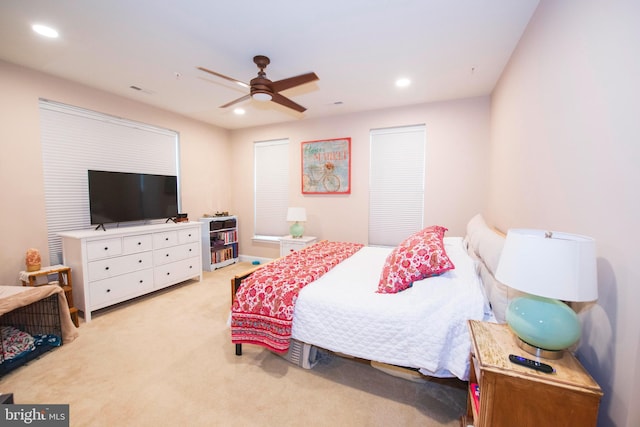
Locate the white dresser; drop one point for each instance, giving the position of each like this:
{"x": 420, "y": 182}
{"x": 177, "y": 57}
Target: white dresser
{"x": 118, "y": 264}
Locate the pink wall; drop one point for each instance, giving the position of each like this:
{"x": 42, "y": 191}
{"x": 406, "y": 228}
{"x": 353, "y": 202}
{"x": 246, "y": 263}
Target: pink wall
{"x": 205, "y": 184}
{"x": 457, "y": 134}
{"x": 565, "y": 155}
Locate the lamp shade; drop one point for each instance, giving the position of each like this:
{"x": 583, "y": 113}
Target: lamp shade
{"x": 549, "y": 264}
{"x": 296, "y": 214}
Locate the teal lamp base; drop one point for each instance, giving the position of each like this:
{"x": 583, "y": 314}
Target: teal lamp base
{"x": 296, "y": 230}
{"x": 545, "y": 327}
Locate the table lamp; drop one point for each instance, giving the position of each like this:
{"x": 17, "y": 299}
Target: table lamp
{"x": 549, "y": 267}
{"x": 296, "y": 215}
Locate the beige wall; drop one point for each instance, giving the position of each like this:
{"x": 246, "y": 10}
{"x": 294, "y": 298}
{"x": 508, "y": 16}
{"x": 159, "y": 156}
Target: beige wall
{"x": 565, "y": 155}
{"x": 205, "y": 182}
{"x": 456, "y": 169}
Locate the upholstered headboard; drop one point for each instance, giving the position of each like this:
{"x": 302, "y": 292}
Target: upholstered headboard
{"x": 484, "y": 244}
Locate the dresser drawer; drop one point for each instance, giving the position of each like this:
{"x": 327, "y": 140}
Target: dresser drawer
{"x": 175, "y": 253}
{"x": 166, "y": 239}
{"x": 177, "y": 271}
{"x": 188, "y": 236}
{"x": 135, "y": 244}
{"x": 115, "y": 289}
{"x": 99, "y": 249}
{"x": 111, "y": 267}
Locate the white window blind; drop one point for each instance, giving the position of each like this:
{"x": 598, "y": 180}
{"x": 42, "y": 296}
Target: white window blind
{"x": 75, "y": 140}
{"x": 271, "y": 188}
{"x": 396, "y": 184}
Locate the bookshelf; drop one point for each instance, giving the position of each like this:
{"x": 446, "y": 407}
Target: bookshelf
{"x": 219, "y": 241}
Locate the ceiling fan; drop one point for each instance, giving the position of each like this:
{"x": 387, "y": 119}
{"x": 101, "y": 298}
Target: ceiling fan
{"x": 263, "y": 89}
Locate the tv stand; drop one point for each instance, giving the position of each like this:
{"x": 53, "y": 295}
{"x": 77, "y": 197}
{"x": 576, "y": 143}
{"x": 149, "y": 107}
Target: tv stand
{"x": 119, "y": 264}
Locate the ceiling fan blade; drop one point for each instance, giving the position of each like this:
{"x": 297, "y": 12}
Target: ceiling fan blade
{"x": 228, "y": 104}
{"x": 279, "y": 99}
{"x": 293, "y": 81}
{"x": 231, "y": 79}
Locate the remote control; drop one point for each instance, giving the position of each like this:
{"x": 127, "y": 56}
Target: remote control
{"x": 538, "y": 366}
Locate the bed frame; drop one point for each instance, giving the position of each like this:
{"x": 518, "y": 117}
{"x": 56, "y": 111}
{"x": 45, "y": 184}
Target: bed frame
{"x": 236, "y": 281}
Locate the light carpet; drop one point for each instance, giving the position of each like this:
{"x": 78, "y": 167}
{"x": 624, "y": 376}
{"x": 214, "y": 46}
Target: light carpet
{"x": 166, "y": 359}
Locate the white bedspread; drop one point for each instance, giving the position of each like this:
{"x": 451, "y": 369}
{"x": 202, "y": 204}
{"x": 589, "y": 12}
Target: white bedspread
{"x": 422, "y": 327}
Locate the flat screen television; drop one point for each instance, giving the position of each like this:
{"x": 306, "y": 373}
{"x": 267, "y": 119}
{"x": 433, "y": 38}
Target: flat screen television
{"x": 125, "y": 197}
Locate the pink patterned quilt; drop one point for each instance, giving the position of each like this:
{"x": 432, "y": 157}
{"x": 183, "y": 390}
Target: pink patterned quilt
{"x": 262, "y": 311}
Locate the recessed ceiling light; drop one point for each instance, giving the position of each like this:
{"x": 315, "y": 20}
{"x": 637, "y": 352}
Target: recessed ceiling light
{"x": 403, "y": 82}
{"x": 239, "y": 111}
{"x": 43, "y": 30}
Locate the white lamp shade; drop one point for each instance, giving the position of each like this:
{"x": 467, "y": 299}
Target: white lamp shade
{"x": 549, "y": 264}
{"x": 296, "y": 214}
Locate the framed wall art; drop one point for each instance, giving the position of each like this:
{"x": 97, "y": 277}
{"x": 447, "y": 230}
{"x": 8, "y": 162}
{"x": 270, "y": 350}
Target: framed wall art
{"x": 326, "y": 166}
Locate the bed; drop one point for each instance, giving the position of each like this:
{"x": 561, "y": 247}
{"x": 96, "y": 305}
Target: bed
{"x": 348, "y": 311}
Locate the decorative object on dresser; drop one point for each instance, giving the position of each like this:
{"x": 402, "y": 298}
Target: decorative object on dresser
{"x": 290, "y": 244}
{"x": 219, "y": 241}
{"x": 33, "y": 260}
{"x": 296, "y": 215}
{"x": 119, "y": 264}
{"x": 62, "y": 273}
{"x": 504, "y": 394}
{"x": 548, "y": 267}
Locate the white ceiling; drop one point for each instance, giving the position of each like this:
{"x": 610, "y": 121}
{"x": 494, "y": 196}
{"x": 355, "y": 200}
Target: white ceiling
{"x": 450, "y": 49}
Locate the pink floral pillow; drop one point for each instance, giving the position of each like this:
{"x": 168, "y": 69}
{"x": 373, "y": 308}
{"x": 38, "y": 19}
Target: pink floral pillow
{"x": 419, "y": 256}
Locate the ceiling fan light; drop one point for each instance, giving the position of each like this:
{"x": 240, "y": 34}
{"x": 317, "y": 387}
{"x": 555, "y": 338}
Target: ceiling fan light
{"x": 261, "y": 96}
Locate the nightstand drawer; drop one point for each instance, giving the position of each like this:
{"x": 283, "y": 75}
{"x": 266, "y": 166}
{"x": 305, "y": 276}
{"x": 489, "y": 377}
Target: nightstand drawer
{"x": 290, "y": 244}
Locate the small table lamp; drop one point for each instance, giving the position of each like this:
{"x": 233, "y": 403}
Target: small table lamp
{"x": 548, "y": 267}
{"x": 296, "y": 215}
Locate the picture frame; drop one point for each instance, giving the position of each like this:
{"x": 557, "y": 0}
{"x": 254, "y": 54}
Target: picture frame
{"x": 326, "y": 166}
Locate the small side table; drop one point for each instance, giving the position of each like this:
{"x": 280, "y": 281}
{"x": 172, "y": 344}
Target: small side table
{"x": 30, "y": 278}
{"x": 290, "y": 244}
{"x": 511, "y": 395}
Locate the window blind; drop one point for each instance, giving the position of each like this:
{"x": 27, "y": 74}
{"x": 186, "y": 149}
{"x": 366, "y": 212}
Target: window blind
{"x": 396, "y": 184}
{"x": 271, "y": 188}
{"x": 75, "y": 140}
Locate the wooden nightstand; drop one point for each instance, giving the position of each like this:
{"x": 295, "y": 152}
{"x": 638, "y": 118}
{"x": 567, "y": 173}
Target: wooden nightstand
{"x": 512, "y": 395}
{"x": 290, "y": 244}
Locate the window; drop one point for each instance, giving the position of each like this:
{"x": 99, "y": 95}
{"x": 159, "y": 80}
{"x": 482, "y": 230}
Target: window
{"x": 396, "y": 184}
{"x": 75, "y": 140}
{"x": 271, "y": 188}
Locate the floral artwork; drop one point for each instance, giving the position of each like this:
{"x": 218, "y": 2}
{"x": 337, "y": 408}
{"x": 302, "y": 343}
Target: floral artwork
{"x": 326, "y": 166}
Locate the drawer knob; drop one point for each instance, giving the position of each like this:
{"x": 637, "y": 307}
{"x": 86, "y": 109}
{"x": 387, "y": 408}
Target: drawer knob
{"x": 166, "y": 238}
{"x": 167, "y": 255}
{"x": 168, "y": 273}
{"x": 108, "y": 290}
{"x": 141, "y": 281}
{"x": 106, "y": 248}
{"x": 140, "y": 261}
{"x": 106, "y": 268}
{"x": 139, "y": 243}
